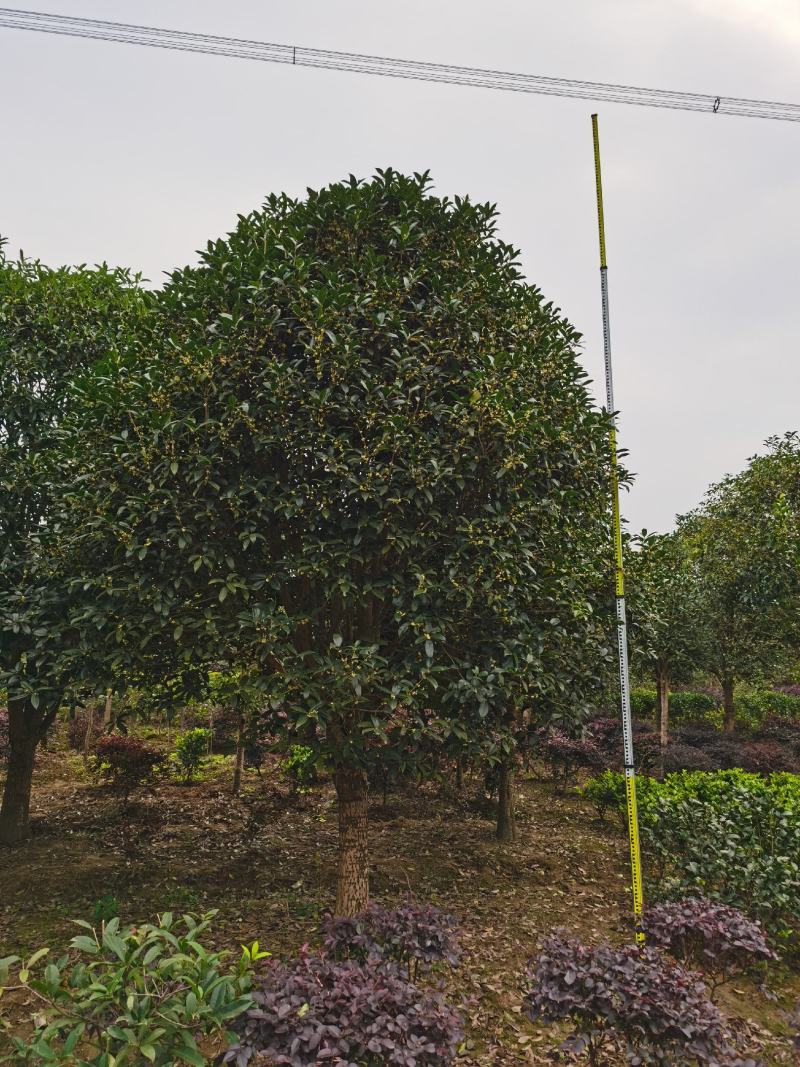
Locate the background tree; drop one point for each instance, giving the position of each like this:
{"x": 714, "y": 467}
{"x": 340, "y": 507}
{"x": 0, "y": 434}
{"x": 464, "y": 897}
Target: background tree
{"x": 667, "y": 622}
{"x": 745, "y": 542}
{"x": 54, "y": 325}
{"x": 352, "y": 426}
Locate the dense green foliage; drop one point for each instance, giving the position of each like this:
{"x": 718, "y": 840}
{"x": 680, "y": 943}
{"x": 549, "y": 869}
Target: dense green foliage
{"x": 54, "y": 326}
{"x": 354, "y": 452}
{"x": 745, "y": 545}
{"x": 191, "y": 749}
{"x": 731, "y": 836}
{"x": 132, "y": 995}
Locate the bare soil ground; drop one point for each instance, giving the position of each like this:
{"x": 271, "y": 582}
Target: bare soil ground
{"x": 266, "y": 860}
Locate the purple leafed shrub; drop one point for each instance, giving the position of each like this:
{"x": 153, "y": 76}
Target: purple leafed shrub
{"x": 715, "y": 938}
{"x": 125, "y": 762}
{"x": 765, "y": 757}
{"x": 412, "y": 936}
{"x": 680, "y": 757}
{"x": 564, "y": 755}
{"x": 633, "y": 1002}
{"x": 346, "y": 1014}
{"x": 79, "y": 724}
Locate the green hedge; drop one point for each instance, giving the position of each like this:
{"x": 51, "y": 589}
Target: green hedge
{"x": 732, "y": 836}
{"x": 751, "y": 708}
{"x": 683, "y": 706}
{"x": 754, "y": 707}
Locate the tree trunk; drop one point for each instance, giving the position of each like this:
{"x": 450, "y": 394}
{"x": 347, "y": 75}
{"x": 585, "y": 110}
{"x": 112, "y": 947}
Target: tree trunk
{"x": 460, "y": 775}
{"x": 88, "y": 737}
{"x": 107, "y": 709}
{"x": 506, "y": 803}
{"x": 24, "y": 733}
{"x": 352, "y": 889}
{"x": 238, "y": 761}
{"x": 662, "y": 715}
{"x": 729, "y": 723}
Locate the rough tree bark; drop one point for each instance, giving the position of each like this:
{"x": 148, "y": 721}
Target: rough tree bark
{"x": 238, "y": 763}
{"x": 26, "y": 726}
{"x": 729, "y": 722}
{"x": 352, "y": 889}
{"x": 663, "y": 705}
{"x": 506, "y": 803}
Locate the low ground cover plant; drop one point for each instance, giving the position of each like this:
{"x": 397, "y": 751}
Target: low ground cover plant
{"x": 714, "y": 938}
{"x": 125, "y": 762}
{"x": 130, "y": 995}
{"x": 321, "y": 1010}
{"x": 414, "y": 937}
{"x": 631, "y": 1002}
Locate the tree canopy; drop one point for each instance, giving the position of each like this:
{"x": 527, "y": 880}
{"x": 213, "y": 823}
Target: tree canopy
{"x": 353, "y": 449}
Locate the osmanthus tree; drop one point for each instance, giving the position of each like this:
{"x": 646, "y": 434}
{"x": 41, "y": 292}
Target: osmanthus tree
{"x": 54, "y": 325}
{"x": 745, "y": 542}
{"x": 353, "y": 433}
{"x": 667, "y": 622}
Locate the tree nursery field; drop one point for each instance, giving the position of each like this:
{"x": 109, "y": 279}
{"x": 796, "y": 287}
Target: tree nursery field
{"x": 310, "y": 731}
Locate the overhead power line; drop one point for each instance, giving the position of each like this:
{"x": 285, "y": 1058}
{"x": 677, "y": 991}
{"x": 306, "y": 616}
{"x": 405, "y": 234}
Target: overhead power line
{"x": 296, "y": 55}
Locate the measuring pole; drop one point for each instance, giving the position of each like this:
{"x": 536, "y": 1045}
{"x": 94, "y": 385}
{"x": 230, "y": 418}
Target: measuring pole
{"x": 619, "y": 574}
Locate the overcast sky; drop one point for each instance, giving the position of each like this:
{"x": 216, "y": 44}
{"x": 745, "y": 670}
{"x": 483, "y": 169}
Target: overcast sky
{"x": 138, "y": 156}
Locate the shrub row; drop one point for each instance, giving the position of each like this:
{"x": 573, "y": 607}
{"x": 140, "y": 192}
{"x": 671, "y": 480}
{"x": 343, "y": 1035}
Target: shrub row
{"x": 148, "y": 994}
{"x": 751, "y": 708}
{"x": 731, "y": 836}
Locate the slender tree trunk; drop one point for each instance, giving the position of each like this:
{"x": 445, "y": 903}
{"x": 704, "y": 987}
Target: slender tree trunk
{"x": 459, "y": 775}
{"x": 107, "y": 709}
{"x": 506, "y": 803}
{"x": 238, "y": 762}
{"x": 88, "y": 737}
{"x": 662, "y": 716}
{"x": 24, "y": 733}
{"x": 352, "y": 890}
{"x": 729, "y": 722}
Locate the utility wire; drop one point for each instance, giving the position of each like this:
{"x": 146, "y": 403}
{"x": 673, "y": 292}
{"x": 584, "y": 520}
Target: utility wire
{"x": 177, "y": 40}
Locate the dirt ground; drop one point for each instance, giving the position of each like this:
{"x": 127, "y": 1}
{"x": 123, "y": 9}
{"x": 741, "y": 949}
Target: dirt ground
{"x": 266, "y": 860}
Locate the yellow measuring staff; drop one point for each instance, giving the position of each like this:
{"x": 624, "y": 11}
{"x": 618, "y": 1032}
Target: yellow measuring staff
{"x": 619, "y": 573}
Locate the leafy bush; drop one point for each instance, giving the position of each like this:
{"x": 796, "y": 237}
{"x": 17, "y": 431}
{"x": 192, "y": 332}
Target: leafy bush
{"x": 607, "y": 793}
{"x": 299, "y": 766}
{"x": 134, "y": 995}
{"x": 190, "y": 752}
{"x": 79, "y": 724}
{"x": 731, "y": 836}
{"x": 681, "y": 757}
{"x": 643, "y": 703}
{"x": 631, "y": 1001}
{"x": 125, "y": 762}
{"x": 686, "y": 706}
{"x": 708, "y": 936}
{"x": 564, "y": 755}
{"x": 768, "y": 756}
{"x": 412, "y": 936}
{"x": 107, "y": 907}
{"x": 320, "y": 1010}
{"x": 754, "y": 708}
{"x": 606, "y": 735}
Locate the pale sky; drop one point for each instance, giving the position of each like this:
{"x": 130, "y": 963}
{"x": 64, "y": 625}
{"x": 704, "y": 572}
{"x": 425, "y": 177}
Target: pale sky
{"x": 139, "y": 156}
